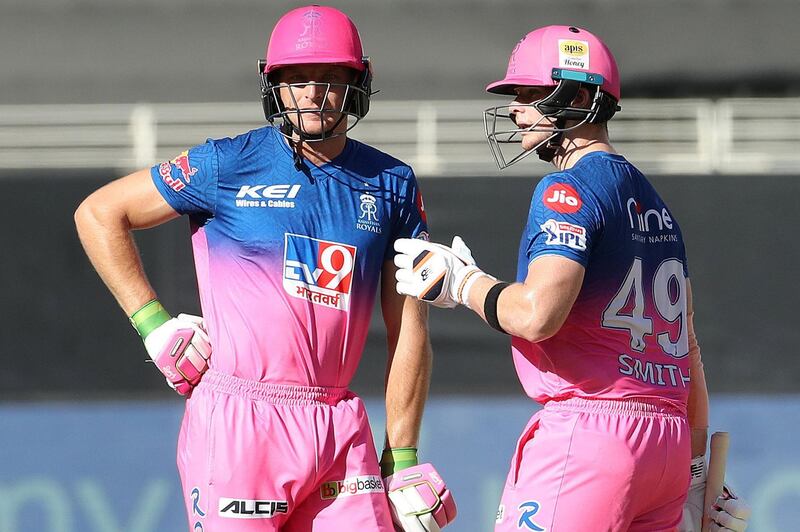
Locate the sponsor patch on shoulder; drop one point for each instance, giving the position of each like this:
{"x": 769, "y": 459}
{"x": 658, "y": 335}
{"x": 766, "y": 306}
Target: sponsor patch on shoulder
{"x": 563, "y": 198}
{"x": 564, "y": 234}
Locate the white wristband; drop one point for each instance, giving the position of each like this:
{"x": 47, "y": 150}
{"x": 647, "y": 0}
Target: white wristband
{"x": 466, "y": 283}
{"x": 698, "y": 470}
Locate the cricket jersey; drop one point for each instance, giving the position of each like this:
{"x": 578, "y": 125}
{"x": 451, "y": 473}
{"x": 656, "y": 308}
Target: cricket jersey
{"x": 626, "y": 335}
{"x": 288, "y": 260}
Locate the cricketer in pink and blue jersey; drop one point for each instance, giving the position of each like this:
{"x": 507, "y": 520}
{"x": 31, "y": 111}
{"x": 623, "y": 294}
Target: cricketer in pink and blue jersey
{"x": 626, "y": 335}
{"x": 288, "y": 261}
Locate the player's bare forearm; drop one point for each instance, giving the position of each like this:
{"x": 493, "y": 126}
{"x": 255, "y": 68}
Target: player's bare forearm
{"x": 697, "y": 404}
{"x": 409, "y": 363}
{"x": 104, "y": 221}
{"x": 536, "y": 309}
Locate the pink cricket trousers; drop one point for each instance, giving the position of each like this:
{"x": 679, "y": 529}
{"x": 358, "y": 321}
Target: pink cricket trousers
{"x": 258, "y": 456}
{"x": 598, "y": 465}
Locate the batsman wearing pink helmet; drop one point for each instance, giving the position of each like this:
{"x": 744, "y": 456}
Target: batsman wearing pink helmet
{"x": 600, "y": 314}
{"x": 292, "y": 227}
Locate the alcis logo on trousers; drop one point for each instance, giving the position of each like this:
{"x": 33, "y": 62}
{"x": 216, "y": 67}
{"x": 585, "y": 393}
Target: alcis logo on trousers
{"x": 251, "y": 509}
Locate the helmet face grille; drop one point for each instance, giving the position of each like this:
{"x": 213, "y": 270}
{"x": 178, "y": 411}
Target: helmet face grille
{"x": 555, "y": 109}
{"x": 355, "y": 104}
{"x": 315, "y": 35}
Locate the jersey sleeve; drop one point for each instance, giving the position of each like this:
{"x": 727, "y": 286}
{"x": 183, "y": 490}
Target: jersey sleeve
{"x": 189, "y": 181}
{"x": 564, "y": 219}
{"x": 411, "y": 222}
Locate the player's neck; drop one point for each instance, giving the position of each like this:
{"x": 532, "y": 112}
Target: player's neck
{"x": 323, "y": 151}
{"x": 573, "y": 147}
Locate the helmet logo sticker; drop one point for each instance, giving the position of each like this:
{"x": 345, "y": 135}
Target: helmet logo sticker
{"x": 512, "y": 63}
{"x": 310, "y": 30}
{"x": 573, "y": 54}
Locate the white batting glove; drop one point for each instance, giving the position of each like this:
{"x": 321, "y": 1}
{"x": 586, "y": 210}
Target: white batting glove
{"x": 419, "y": 499}
{"x": 692, "y": 519}
{"x": 180, "y": 348}
{"x": 730, "y": 514}
{"x": 435, "y": 273}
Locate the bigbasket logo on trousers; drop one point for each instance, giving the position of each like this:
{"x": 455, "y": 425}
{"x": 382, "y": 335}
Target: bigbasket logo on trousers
{"x": 251, "y": 509}
{"x": 351, "y": 486}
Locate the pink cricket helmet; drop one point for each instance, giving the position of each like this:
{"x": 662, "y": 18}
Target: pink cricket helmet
{"x": 315, "y": 34}
{"x": 566, "y": 48}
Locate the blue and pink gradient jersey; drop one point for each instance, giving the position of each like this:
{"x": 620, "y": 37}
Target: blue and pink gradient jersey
{"x": 626, "y": 336}
{"x": 288, "y": 261}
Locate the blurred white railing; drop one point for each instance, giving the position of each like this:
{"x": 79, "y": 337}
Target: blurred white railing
{"x": 439, "y": 138}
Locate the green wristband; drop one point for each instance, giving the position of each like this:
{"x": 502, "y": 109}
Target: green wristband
{"x": 393, "y": 460}
{"x": 151, "y": 316}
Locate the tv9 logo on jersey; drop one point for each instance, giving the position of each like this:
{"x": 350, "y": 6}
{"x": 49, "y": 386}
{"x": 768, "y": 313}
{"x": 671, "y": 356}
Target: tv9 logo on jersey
{"x": 319, "y": 271}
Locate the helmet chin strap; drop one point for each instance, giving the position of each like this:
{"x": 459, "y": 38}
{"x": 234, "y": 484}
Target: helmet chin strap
{"x": 289, "y": 129}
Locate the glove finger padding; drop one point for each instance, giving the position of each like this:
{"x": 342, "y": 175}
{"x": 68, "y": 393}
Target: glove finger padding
{"x": 730, "y": 514}
{"x": 735, "y": 507}
{"x": 460, "y": 248}
{"x": 420, "y": 500}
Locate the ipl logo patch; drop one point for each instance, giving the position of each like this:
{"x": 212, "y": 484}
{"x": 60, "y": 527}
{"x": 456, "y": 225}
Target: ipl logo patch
{"x": 564, "y": 234}
{"x": 318, "y": 271}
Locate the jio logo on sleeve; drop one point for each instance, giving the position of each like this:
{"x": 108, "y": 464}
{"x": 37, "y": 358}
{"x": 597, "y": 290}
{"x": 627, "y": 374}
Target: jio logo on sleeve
{"x": 562, "y": 198}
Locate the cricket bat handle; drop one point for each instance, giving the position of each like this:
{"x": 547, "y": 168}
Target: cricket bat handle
{"x": 716, "y": 472}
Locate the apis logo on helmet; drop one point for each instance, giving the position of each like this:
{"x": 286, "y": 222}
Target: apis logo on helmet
{"x": 275, "y": 196}
{"x": 574, "y": 47}
{"x": 573, "y": 54}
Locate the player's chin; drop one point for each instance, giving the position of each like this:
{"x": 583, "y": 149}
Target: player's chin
{"x": 532, "y": 140}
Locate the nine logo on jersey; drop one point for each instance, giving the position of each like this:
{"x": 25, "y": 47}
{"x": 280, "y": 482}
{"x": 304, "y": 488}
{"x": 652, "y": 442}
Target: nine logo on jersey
{"x": 649, "y": 220}
{"x": 564, "y": 234}
{"x": 318, "y": 271}
{"x": 562, "y": 198}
